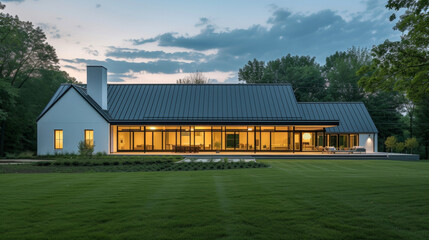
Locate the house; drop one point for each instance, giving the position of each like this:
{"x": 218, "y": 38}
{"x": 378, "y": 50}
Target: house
{"x": 147, "y": 118}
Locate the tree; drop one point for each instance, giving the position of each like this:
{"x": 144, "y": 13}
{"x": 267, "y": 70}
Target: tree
{"x": 194, "y": 78}
{"x": 390, "y": 143}
{"x": 340, "y": 71}
{"x": 422, "y": 123}
{"x": 24, "y": 53}
{"x": 411, "y": 143}
{"x": 400, "y": 146}
{"x": 302, "y": 72}
{"x": 402, "y": 65}
{"x": 21, "y": 133}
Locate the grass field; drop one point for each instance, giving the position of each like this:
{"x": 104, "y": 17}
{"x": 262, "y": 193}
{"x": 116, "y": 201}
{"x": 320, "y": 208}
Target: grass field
{"x": 294, "y": 199}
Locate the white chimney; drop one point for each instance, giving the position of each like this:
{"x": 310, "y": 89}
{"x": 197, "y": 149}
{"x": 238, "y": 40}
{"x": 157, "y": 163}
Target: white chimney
{"x": 96, "y": 84}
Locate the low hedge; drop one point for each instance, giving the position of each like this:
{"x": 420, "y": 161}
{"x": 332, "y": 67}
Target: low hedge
{"x": 129, "y": 166}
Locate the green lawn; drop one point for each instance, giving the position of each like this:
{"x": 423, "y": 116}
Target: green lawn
{"x": 294, "y": 199}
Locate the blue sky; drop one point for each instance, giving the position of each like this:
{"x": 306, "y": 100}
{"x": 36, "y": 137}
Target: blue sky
{"x": 161, "y": 41}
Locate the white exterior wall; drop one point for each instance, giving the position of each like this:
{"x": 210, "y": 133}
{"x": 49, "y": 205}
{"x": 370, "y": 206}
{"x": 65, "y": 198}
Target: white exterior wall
{"x": 73, "y": 114}
{"x": 369, "y": 141}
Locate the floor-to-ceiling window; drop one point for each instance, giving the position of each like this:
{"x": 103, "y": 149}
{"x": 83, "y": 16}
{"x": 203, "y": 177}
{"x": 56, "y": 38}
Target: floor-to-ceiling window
{"x": 228, "y": 138}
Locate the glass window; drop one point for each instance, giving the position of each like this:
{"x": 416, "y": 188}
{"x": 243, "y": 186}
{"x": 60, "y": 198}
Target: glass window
{"x": 169, "y": 140}
{"x": 58, "y": 139}
{"x": 308, "y": 141}
{"x": 185, "y": 138}
{"x": 241, "y": 139}
{"x": 89, "y": 137}
{"x": 297, "y": 142}
{"x": 265, "y": 141}
{"x": 217, "y": 140}
{"x": 124, "y": 141}
{"x": 354, "y": 140}
{"x": 149, "y": 142}
{"x": 157, "y": 140}
{"x": 251, "y": 141}
{"x": 208, "y": 140}
{"x": 279, "y": 141}
{"x": 343, "y": 141}
{"x": 258, "y": 138}
{"x": 199, "y": 140}
{"x": 320, "y": 139}
{"x": 332, "y": 140}
{"x": 128, "y": 128}
{"x": 138, "y": 141}
{"x": 231, "y": 142}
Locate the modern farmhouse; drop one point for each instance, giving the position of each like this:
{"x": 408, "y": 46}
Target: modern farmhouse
{"x": 150, "y": 118}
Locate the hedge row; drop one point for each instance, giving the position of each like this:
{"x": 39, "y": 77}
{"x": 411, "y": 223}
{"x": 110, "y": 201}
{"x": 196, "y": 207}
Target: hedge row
{"x": 128, "y": 166}
{"x": 103, "y": 162}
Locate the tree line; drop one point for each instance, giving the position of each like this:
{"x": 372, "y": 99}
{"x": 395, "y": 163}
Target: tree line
{"x": 392, "y": 79}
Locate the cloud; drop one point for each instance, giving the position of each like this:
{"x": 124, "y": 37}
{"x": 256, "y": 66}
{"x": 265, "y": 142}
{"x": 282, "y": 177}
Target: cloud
{"x": 130, "y": 53}
{"x": 98, "y": 5}
{"x": 319, "y": 34}
{"x": 90, "y": 50}
{"x": 51, "y": 30}
{"x": 203, "y": 21}
{"x": 74, "y": 68}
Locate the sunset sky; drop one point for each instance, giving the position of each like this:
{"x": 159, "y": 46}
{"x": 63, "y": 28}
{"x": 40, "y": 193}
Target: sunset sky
{"x": 161, "y": 41}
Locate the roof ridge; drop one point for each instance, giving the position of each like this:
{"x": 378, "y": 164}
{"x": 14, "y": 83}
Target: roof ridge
{"x": 327, "y": 102}
{"x": 208, "y": 84}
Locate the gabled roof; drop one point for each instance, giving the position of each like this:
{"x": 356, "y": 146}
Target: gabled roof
{"x": 204, "y": 102}
{"x": 63, "y": 89}
{"x": 353, "y": 116}
{"x": 221, "y": 103}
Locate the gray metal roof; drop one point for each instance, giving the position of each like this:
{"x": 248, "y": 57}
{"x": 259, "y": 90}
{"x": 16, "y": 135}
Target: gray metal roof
{"x": 221, "y": 103}
{"x": 353, "y": 116}
{"x": 204, "y": 102}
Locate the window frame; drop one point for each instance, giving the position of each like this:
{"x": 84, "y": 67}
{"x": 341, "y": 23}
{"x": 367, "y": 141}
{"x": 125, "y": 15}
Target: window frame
{"x": 84, "y": 136}
{"x": 55, "y": 138}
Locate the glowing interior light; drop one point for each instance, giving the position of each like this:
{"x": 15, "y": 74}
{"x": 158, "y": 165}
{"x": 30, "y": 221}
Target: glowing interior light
{"x": 152, "y": 128}
{"x": 306, "y": 136}
{"x": 249, "y": 129}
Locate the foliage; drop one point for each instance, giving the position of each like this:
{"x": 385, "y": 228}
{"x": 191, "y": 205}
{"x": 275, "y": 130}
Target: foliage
{"x": 402, "y": 65}
{"x": 194, "y": 78}
{"x": 21, "y": 131}
{"x": 125, "y": 166}
{"x": 422, "y": 123}
{"x": 400, "y": 146}
{"x": 390, "y": 143}
{"x": 340, "y": 71}
{"x": 85, "y": 149}
{"x": 302, "y": 72}
{"x": 411, "y": 144}
{"x": 29, "y": 75}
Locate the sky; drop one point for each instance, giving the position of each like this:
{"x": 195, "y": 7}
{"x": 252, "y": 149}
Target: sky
{"x": 161, "y": 41}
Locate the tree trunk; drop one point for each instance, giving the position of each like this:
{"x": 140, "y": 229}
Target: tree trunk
{"x": 2, "y": 130}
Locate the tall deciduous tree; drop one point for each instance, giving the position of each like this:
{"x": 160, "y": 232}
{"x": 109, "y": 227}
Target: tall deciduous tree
{"x": 340, "y": 72}
{"x": 24, "y": 53}
{"x": 403, "y": 65}
{"x": 302, "y": 72}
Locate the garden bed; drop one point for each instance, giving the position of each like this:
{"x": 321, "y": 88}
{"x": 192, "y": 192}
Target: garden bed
{"x": 124, "y": 165}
